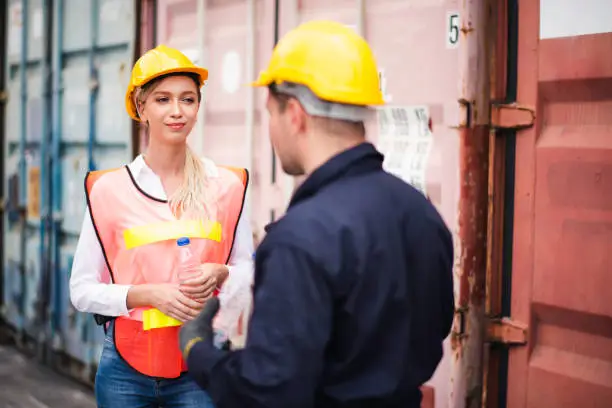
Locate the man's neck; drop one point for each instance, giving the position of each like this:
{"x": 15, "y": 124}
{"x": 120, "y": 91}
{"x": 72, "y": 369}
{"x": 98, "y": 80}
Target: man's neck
{"x": 323, "y": 149}
{"x": 166, "y": 160}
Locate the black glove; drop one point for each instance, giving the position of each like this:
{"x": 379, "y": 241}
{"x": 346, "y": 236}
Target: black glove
{"x": 199, "y": 329}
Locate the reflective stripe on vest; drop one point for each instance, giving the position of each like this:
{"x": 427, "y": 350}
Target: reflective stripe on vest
{"x": 137, "y": 234}
{"x": 151, "y": 233}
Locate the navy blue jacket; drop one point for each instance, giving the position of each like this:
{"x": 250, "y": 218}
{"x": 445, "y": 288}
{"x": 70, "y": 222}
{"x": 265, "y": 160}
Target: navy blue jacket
{"x": 353, "y": 296}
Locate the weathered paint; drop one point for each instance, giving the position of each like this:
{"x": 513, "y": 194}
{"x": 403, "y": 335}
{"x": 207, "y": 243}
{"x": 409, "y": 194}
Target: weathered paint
{"x": 561, "y": 259}
{"x": 472, "y": 205}
{"x": 68, "y": 64}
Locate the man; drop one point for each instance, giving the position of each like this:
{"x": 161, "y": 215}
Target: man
{"x": 353, "y": 291}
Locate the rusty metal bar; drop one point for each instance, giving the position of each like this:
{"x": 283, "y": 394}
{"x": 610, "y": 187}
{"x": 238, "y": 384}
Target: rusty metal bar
{"x": 468, "y": 332}
{"x": 511, "y": 116}
{"x": 506, "y": 331}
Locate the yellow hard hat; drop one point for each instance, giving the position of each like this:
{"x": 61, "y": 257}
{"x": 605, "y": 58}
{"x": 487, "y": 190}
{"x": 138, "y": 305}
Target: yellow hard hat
{"x": 329, "y": 58}
{"x": 159, "y": 61}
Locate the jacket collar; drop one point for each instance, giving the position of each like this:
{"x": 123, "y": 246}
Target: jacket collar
{"x": 363, "y": 158}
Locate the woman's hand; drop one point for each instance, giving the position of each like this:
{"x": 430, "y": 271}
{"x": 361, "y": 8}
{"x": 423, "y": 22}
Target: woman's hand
{"x": 202, "y": 287}
{"x": 171, "y": 301}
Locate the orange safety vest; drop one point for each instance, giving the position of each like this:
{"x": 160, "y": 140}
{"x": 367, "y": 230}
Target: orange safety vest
{"x": 138, "y": 236}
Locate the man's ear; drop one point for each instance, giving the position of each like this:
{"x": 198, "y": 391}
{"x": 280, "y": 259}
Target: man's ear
{"x": 297, "y": 114}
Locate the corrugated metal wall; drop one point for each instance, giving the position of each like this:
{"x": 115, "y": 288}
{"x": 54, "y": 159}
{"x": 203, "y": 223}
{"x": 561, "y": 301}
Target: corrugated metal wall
{"x": 64, "y": 116}
{"x": 27, "y": 125}
{"x": 559, "y": 268}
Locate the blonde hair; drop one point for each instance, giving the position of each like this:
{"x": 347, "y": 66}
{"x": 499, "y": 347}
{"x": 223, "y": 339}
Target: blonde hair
{"x": 193, "y": 198}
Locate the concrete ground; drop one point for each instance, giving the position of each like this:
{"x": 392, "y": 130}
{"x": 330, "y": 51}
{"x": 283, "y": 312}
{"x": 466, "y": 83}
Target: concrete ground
{"x": 26, "y": 384}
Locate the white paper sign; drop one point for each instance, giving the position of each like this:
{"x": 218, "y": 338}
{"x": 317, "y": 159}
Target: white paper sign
{"x": 404, "y": 138}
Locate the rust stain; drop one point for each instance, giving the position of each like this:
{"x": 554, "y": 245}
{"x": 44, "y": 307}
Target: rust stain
{"x": 455, "y": 342}
{"x": 470, "y": 269}
{"x": 466, "y": 30}
{"x": 458, "y": 320}
{"x": 473, "y": 212}
{"x": 429, "y": 397}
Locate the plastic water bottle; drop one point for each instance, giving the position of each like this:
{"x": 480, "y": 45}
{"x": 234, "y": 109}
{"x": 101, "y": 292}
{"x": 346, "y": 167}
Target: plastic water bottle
{"x": 188, "y": 266}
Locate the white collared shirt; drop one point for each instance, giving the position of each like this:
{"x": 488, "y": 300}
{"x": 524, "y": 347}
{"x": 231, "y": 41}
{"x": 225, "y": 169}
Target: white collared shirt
{"x": 91, "y": 290}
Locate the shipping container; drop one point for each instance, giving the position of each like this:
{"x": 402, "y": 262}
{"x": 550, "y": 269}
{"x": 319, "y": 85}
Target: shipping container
{"x": 498, "y": 110}
{"x": 234, "y": 40}
{"x": 68, "y": 65}
{"x": 453, "y": 67}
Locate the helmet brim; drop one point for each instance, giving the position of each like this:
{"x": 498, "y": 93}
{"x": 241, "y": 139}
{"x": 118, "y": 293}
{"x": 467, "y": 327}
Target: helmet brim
{"x": 202, "y": 74}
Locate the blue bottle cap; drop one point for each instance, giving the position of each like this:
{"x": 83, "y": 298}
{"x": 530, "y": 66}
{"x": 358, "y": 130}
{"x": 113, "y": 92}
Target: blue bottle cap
{"x": 183, "y": 241}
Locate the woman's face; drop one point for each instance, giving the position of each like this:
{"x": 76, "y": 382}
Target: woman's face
{"x": 171, "y": 109}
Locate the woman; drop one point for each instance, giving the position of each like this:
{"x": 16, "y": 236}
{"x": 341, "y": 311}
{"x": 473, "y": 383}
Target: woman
{"x": 126, "y": 265}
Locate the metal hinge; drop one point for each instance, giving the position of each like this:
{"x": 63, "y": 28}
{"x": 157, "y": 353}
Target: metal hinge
{"x": 466, "y": 111}
{"x": 506, "y": 331}
{"x": 4, "y": 96}
{"x": 511, "y": 116}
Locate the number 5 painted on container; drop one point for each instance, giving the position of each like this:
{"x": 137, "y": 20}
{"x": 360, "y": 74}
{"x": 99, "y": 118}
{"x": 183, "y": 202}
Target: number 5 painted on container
{"x": 452, "y": 30}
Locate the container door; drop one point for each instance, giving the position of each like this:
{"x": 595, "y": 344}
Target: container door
{"x": 562, "y": 260}
{"x": 26, "y": 130}
{"x": 67, "y": 68}
{"x": 92, "y": 60}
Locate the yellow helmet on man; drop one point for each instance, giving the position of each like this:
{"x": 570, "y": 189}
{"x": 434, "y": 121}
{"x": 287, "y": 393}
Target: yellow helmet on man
{"x": 161, "y": 60}
{"x": 330, "y": 59}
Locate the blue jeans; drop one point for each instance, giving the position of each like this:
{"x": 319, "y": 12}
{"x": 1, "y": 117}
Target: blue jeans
{"x": 120, "y": 386}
